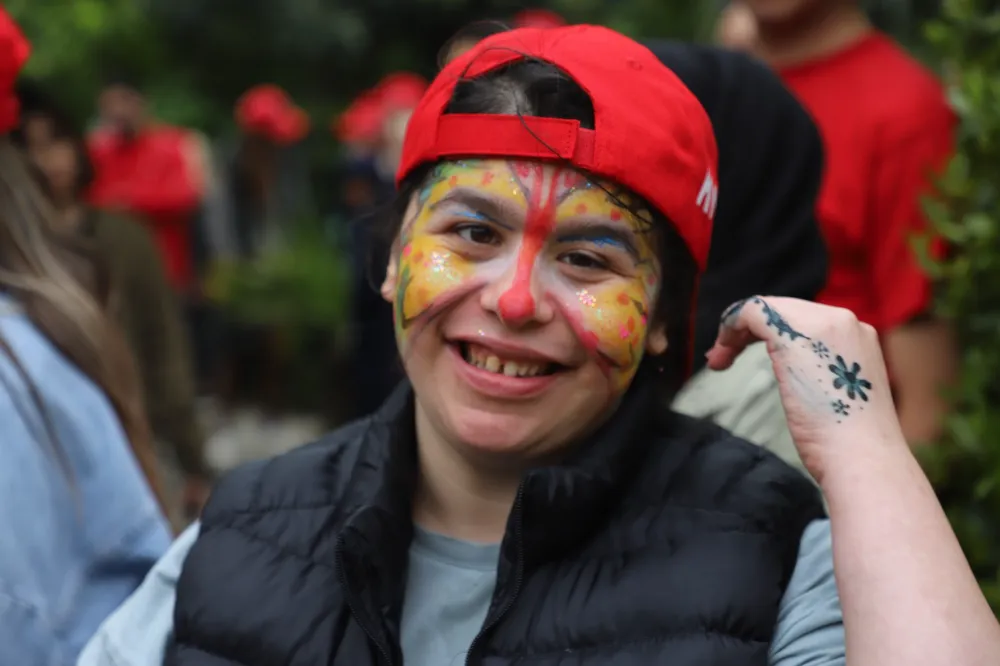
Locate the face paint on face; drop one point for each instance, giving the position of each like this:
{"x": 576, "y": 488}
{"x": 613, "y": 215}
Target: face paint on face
{"x": 544, "y": 232}
{"x": 432, "y": 271}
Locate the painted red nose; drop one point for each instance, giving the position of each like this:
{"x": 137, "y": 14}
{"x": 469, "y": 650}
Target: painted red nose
{"x": 516, "y": 306}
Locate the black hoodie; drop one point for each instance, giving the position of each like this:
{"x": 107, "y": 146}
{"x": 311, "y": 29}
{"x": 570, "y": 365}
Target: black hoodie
{"x": 766, "y": 238}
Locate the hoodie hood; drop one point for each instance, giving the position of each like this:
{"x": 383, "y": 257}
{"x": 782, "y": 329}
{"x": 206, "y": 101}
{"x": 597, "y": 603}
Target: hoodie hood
{"x": 766, "y": 238}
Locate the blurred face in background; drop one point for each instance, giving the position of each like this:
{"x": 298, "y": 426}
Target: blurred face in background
{"x": 458, "y": 48}
{"x": 122, "y": 108}
{"x": 784, "y": 12}
{"x": 56, "y": 157}
{"x": 393, "y": 134}
{"x": 737, "y": 28}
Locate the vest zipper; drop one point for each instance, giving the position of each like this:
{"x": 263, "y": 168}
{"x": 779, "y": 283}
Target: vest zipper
{"x": 383, "y": 650}
{"x": 518, "y": 580}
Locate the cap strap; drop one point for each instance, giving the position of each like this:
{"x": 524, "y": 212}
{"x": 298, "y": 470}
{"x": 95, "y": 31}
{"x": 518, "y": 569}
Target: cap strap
{"x": 486, "y": 135}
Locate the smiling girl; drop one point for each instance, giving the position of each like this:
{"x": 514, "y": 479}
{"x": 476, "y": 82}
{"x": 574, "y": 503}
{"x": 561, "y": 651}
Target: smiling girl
{"x": 523, "y": 498}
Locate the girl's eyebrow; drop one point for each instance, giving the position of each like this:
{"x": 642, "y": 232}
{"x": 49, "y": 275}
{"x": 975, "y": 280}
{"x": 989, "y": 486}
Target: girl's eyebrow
{"x": 489, "y": 207}
{"x": 599, "y": 232}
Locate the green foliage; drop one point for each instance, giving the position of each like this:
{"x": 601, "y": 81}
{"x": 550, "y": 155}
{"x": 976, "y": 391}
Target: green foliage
{"x": 305, "y": 285}
{"x": 965, "y": 467}
{"x": 74, "y": 43}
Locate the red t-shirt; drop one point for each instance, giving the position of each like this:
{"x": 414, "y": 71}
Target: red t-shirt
{"x": 150, "y": 177}
{"x": 887, "y": 131}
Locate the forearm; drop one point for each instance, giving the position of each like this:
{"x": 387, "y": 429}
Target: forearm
{"x": 923, "y": 357}
{"x": 908, "y": 594}
{"x": 922, "y": 417}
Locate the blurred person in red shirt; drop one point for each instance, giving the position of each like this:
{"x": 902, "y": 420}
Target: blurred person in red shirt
{"x": 887, "y": 130}
{"x": 265, "y": 176}
{"x": 150, "y": 170}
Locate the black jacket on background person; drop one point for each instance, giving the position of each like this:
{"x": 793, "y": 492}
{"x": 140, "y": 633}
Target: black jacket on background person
{"x": 766, "y": 238}
{"x": 683, "y": 536}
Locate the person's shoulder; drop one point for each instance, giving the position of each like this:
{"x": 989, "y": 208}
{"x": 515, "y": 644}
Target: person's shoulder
{"x": 720, "y": 470}
{"x": 122, "y": 230}
{"x": 101, "y": 139}
{"x": 167, "y": 139}
{"x": 313, "y": 475}
{"x": 899, "y": 65}
{"x": 119, "y": 225}
{"x": 32, "y": 355}
{"x": 904, "y": 96}
{"x": 715, "y": 74}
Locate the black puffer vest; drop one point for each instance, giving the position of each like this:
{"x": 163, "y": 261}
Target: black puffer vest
{"x": 665, "y": 541}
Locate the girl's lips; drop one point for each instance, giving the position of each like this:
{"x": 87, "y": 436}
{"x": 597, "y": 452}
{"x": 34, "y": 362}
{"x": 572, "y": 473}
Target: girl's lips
{"x": 498, "y": 385}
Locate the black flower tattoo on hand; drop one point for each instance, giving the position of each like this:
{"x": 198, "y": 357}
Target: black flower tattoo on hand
{"x": 820, "y": 349}
{"x": 849, "y": 379}
{"x": 841, "y": 408}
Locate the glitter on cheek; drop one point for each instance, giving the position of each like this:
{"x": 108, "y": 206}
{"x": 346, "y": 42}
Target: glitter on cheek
{"x": 438, "y": 261}
{"x": 587, "y": 298}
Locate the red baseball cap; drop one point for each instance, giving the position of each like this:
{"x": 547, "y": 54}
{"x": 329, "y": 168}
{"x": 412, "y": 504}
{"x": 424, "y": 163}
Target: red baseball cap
{"x": 650, "y": 133}
{"x": 538, "y": 18}
{"x": 14, "y": 51}
{"x": 361, "y": 122}
{"x": 267, "y": 110}
{"x": 401, "y": 90}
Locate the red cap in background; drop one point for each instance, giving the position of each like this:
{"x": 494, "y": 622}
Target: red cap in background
{"x": 401, "y": 90}
{"x": 650, "y": 133}
{"x": 14, "y": 51}
{"x": 538, "y": 18}
{"x": 267, "y": 110}
{"x": 363, "y": 120}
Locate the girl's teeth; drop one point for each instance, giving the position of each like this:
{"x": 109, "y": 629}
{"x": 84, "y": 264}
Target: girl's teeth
{"x": 509, "y": 368}
{"x": 493, "y": 364}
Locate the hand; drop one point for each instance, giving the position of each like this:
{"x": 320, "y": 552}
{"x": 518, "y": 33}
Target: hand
{"x": 196, "y": 492}
{"x": 831, "y": 375}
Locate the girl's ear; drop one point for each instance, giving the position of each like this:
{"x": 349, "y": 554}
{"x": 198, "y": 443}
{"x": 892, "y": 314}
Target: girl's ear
{"x": 656, "y": 340}
{"x": 388, "y": 289}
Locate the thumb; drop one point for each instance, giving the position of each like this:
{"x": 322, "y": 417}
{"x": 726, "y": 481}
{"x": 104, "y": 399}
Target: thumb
{"x": 734, "y": 336}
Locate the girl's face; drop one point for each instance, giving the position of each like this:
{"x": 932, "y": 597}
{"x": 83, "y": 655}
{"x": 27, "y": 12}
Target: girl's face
{"x": 523, "y": 297}
{"x": 55, "y": 157}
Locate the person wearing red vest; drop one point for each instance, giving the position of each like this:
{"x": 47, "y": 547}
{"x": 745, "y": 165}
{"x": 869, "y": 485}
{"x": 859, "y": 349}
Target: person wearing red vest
{"x": 147, "y": 169}
{"x": 887, "y": 130}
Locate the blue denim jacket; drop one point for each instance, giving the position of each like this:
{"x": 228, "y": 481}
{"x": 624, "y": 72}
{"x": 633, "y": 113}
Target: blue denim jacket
{"x": 77, "y": 537}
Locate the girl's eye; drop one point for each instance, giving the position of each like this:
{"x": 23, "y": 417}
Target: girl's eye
{"x": 583, "y": 260}
{"x": 480, "y": 234}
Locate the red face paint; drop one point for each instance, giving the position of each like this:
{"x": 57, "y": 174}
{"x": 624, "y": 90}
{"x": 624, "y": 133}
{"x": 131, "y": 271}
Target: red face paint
{"x": 517, "y": 303}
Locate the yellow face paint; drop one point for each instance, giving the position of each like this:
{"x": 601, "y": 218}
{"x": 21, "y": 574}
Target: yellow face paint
{"x": 549, "y": 234}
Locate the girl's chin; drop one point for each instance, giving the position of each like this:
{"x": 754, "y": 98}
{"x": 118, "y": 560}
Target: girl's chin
{"x": 490, "y": 431}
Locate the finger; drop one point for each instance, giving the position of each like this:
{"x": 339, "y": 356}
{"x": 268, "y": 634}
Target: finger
{"x": 743, "y": 324}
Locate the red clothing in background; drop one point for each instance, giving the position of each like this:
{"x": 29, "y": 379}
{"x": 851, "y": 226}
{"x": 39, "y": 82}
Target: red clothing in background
{"x": 150, "y": 177}
{"x": 887, "y": 130}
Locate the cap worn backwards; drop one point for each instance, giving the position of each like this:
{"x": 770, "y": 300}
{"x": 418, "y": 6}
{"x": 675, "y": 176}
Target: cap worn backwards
{"x": 651, "y": 135}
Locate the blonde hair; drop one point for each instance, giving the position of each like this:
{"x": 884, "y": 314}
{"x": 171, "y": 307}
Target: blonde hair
{"x": 66, "y": 294}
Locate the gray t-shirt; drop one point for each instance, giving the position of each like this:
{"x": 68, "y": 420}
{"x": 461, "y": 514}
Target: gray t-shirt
{"x": 450, "y": 586}
{"x": 448, "y": 593}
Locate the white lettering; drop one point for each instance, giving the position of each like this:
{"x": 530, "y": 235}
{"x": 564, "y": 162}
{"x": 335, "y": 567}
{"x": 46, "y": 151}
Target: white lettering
{"x": 708, "y": 195}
